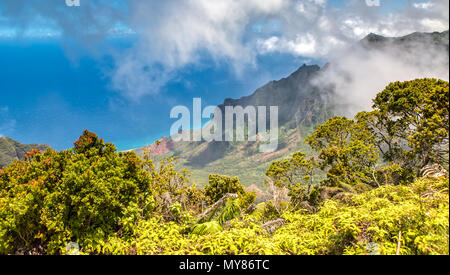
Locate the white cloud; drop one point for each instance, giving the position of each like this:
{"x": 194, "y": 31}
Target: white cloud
{"x": 302, "y": 46}
{"x": 358, "y": 75}
{"x": 174, "y": 34}
{"x": 434, "y": 24}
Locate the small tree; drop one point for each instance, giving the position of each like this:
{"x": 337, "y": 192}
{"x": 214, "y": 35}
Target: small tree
{"x": 83, "y": 195}
{"x": 295, "y": 174}
{"x": 410, "y": 123}
{"x": 346, "y": 151}
{"x": 220, "y": 185}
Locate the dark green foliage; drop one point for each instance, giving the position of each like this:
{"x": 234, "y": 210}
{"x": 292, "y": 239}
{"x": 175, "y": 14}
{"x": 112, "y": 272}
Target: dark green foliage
{"x": 84, "y": 195}
{"x": 116, "y": 203}
{"x": 394, "y": 174}
{"x": 295, "y": 174}
{"x": 347, "y": 152}
{"x": 11, "y": 150}
{"x": 270, "y": 212}
{"x": 411, "y": 123}
{"x": 220, "y": 185}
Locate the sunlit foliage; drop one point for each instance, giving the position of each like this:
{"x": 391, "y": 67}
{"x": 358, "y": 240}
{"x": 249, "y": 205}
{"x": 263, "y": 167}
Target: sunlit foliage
{"x": 111, "y": 202}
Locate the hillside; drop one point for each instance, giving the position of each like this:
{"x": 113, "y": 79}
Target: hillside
{"x": 94, "y": 200}
{"x": 11, "y": 150}
{"x": 302, "y": 106}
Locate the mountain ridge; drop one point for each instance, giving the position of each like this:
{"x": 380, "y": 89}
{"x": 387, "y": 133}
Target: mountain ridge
{"x": 11, "y": 150}
{"x": 302, "y": 106}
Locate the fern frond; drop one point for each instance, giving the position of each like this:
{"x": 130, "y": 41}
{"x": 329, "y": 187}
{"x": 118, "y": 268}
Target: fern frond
{"x": 230, "y": 211}
{"x": 206, "y": 228}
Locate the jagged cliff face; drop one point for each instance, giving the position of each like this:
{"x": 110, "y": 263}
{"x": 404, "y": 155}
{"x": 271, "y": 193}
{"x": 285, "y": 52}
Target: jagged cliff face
{"x": 299, "y": 102}
{"x": 301, "y": 106}
{"x": 11, "y": 150}
{"x": 302, "y": 103}
{"x": 421, "y": 50}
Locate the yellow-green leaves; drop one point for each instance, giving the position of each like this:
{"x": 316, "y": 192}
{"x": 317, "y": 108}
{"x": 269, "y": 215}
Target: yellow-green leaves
{"x": 84, "y": 195}
{"x": 346, "y": 151}
{"x": 411, "y": 122}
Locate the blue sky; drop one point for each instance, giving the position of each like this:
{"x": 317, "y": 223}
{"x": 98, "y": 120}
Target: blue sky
{"x": 118, "y": 67}
{"x": 52, "y": 99}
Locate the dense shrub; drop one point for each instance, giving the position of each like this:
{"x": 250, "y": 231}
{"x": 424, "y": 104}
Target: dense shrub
{"x": 82, "y": 195}
{"x": 410, "y": 121}
{"x": 419, "y": 213}
{"x": 116, "y": 203}
{"x": 350, "y": 225}
{"x": 105, "y": 203}
{"x": 220, "y": 185}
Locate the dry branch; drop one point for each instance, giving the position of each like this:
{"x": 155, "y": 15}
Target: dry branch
{"x": 216, "y": 205}
{"x": 272, "y": 226}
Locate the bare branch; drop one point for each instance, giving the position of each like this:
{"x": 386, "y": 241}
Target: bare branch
{"x": 272, "y": 226}
{"x": 216, "y": 205}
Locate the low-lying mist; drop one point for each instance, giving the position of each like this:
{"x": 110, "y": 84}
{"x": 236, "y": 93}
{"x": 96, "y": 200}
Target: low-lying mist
{"x": 357, "y": 74}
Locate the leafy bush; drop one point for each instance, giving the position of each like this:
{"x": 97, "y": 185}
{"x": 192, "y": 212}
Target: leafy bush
{"x": 220, "y": 185}
{"x": 419, "y": 212}
{"x": 82, "y": 195}
{"x": 351, "y": 225}
{"x": 207, "y": 228}
{"x": 410, "y": 121}
{"x": 347, "y": 152}
{"x": 115, "y": 203}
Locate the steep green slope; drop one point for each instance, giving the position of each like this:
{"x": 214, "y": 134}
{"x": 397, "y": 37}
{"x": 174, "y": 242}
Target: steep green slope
{"x": 301, "y": 108}
{"x": 11, "y": 150}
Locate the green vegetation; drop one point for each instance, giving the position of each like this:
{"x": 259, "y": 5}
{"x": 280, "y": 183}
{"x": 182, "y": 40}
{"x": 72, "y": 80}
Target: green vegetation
{"x": 410, "y": 123}
{"x": 240, "y": 159}
{"x": 219, "y": 186}
{"x": 11, "y": 150}
{"x": 347, "y": 151}
{"x": 377, "y": 185}
{"x": 86, "y": 194}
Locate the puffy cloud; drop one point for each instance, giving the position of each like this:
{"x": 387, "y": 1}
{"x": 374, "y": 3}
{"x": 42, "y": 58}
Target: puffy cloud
{"x": 174, "y": 34}
{"x": 357, "y": 75}
{"x": 315, "y": 29}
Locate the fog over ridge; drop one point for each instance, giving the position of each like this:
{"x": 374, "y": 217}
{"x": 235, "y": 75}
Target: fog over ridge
{"x": 355, "y": 75}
